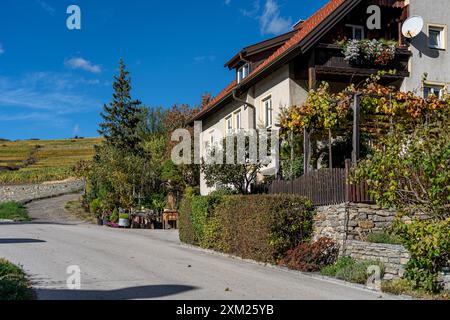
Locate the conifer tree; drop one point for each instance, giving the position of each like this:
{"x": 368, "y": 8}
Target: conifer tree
{"x": 122, "y": 116}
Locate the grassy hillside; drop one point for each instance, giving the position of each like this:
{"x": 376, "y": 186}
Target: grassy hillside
{"x": 42, "y": 160}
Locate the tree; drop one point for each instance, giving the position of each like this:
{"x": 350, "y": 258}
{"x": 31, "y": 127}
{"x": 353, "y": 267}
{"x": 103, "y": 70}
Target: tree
{"x": 82, "y": 170}
{"x": 178, "y": 117}
{"x": 411, "y": 171}
{"x": 241, "y": 175}
{"x": 121, "y": 117}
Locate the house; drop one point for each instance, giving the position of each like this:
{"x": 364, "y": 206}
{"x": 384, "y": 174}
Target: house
{"x": 430, "y": 60}
{"x": 279, "y": 72}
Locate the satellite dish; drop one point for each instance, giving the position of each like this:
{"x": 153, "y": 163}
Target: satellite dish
{"x": 412, "y": 27}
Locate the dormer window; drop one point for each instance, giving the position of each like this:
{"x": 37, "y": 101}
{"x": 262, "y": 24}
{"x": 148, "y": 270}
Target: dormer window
{"x": 355, "y": 32}
{"x": 243, "y": 72}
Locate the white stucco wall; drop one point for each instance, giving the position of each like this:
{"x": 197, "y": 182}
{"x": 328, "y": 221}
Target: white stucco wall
{"x": 425, "y": 60}
{"x": 214, "y": 124}
{"x": 284, "y": 92}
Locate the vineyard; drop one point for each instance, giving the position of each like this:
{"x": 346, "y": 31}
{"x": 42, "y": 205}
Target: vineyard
{"x": 35, "y": 161}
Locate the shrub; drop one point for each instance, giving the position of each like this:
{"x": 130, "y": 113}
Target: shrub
{"x": 397, "y": 286}
{"x": 384, "y": 237}
{"x": 428, "y": 242}
{"x": 194, "y": 214}
{"x": 356, "y": 273}
{"x": 259, "y": 227}
{"x": 186, "y": 231}
{"x": 348, "y": 269}
{"x": 309, "y": 257}
{"x": 13, "y": 211}
{"x": 410, "y": 172}
{"x": 114, "y": 216}
{"x": 13, "y": 283}
{"x": 203, "y": 209}
{"x": 340, "y": 264}
{"x": 95, "y": 206}
{"x": 211, "y": 232}
{"x": 404, "y": 286}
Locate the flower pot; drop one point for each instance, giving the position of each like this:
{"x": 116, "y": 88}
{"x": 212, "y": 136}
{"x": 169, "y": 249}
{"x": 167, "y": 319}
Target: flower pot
{"x": 99, "y": 221}
{"x": 124, "y": 223}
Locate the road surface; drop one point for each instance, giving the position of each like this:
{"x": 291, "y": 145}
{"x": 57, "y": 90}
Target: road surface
{"x": 145, "y": 264}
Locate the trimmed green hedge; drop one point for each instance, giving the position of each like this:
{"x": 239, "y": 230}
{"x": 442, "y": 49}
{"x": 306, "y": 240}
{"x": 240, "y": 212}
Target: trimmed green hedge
{"x": 259, "y": 227}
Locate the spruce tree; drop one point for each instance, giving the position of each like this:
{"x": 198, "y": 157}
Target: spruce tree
{"x": 121, "y": 117}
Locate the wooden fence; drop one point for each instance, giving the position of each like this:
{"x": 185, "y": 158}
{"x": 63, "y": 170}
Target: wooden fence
{"x": 324, "y": 187}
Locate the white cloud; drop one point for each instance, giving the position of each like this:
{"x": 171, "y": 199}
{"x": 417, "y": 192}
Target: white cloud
{"x": 76, "y": 130}
{"x": 271, "y": 21}
{"x": 48, "y": 93}
{"x": 44, "y": 5}
{"x": 2, "y": 51}
{"x": 252, "y": 13}
{"x": 83, "y": 64}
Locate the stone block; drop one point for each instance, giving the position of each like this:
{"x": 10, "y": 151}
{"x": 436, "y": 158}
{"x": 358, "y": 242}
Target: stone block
{"x": 388, "y": 276}
{"x": 404, "y": 261}
{"x": 365, "y": 224}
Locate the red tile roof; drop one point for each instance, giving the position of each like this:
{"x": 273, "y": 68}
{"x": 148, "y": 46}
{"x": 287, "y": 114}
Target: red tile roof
{"x": 307, "y": 26}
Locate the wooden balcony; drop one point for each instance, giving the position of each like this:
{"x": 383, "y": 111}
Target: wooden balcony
{"x": 329, "y": 60}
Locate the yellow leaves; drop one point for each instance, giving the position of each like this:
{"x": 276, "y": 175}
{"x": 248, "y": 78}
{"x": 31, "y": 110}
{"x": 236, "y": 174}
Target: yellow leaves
{"x": 325, "y": 110}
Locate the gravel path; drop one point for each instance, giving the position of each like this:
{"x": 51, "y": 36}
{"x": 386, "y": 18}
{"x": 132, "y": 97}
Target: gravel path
{"x": 52, "y": 210}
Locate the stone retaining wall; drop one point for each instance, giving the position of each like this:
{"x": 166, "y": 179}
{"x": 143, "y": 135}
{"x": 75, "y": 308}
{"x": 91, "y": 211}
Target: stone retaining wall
{"x": 30, "y": 192}
{"x": 351, "y": 221}
{"x": 394, "y": 258}
{"x": 349, "y": 224}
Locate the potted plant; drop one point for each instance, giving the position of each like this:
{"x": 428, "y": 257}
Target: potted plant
{"x": 99, "y": 220}
{"x": 94, "y": 208}
{"x": 105, "y": 219}
{"x": 114, "y": 216}
{"x": 124, "y": 220}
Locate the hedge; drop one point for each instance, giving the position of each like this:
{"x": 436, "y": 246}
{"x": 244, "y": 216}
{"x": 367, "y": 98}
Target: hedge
{"x": 258, "y": 227}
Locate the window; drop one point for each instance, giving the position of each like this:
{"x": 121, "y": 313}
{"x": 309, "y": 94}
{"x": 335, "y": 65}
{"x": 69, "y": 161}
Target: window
{"x": 436, "y": 37}
{"x": 268, "y": 112}
{"x": 238, "y": 120}
{"x": 355, "y": 32}
{"x": 243, "y": 72}
{"x": 436, "y": 90}
{"x": 229, "y": 124}
{"x": 212, "y": 139}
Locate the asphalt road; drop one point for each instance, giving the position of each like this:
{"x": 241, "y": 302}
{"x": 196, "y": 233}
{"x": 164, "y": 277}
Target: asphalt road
{"x": 146, "y": 264}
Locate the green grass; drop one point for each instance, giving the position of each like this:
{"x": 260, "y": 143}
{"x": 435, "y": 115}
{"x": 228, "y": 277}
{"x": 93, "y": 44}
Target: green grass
{"x": 384, "y": 237}
{"x": 350, "y": 270}
{"x": 76, "y": 209}
{"x": 13, "y": 211}
{"x": 14, "y": 284}
{"x": 42, "y": 160}
{"x": 404, "y": 287}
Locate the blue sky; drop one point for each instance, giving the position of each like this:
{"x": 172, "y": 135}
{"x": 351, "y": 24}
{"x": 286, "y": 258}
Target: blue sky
{"x": 53, "y": 81}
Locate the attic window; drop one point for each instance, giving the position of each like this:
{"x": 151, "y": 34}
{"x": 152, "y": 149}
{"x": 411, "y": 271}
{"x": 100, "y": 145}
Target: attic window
{"x": 243, "y": 72}
{"x": 355, "y": 32}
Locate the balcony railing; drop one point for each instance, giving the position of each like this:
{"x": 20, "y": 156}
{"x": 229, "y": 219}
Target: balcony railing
{"x": 330, "y": 59}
